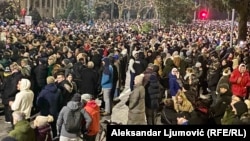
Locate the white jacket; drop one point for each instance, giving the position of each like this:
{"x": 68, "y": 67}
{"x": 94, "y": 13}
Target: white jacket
{"x": 24, "y": 99}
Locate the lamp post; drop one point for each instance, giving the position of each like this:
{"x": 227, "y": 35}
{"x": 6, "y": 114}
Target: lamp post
{"x": 28, "y": 7}
{"x": 232, "y": 28}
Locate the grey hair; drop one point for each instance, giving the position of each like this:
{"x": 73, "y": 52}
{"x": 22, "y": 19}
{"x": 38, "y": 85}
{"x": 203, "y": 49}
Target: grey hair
{"x": 18, "y": 115}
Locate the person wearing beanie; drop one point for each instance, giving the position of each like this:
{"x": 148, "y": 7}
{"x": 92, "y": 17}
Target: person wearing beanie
{"x": 49, "y": 103}
{"x": 76, "y": 98}
{"x": 222, "y": 102}
{"x": 234, "y": 112}
{"x": 224, "y": 79}
{"x": 239, "y": 108}
{"x": 136, "y": 113}
{"x": 43, "y": 128}
{"x": 74, "y": 105}
{"x": 24, "y": 98}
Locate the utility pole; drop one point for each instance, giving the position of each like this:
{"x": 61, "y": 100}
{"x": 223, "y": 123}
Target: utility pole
{"x": 195, "y": 11}
{"x": 112, "y": 11}
{"x": 28, "y": 7}
{"x": 232, "y": 28}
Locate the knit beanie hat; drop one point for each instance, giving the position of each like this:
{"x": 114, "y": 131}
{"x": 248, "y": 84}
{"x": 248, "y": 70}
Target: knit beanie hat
{"x": 240, "y": 107}
{"x": 43, "y": 120}
{"x": 224, "y": 85}
{"x": 66, "y": 61}
{"x": 50, "y": 79}
{"x": 76, "y": 97}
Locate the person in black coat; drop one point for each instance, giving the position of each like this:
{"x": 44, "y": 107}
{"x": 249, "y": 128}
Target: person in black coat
{"x": 89, "y": 80}
{"x": 152, "y": 99}
{"x": 222, "y": 102}
{"x": 10, "y": 90}
{"x": 168, "y": 114}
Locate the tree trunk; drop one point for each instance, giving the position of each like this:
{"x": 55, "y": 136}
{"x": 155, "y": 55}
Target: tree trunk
{"x": 120, "y": 12}
{"x": 243, "y": 15}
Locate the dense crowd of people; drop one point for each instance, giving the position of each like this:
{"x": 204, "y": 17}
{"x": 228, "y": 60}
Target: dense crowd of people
{"x": 187, "y": 74}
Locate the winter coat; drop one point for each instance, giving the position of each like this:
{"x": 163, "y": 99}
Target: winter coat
{"x": 107, "y": 80}
{"x": 94, "y": 111}
{"x": 220, "y": 107}
{"x": 41, "y": 72}
{"x": 48, "y": 100}
{"x": 10, "y": 87}
{"x": 24, "y": 99}
{"x": 72, "y": 105}
{"x": 173, "y": 84}
{"x": 136, "y": 113}
{"x": 44, "y": 132}
{"x": 89, "y": 81}
{"x": 23, "y": 131}
{"x": 153, "y": 95}
{"x": 239, "y": 88}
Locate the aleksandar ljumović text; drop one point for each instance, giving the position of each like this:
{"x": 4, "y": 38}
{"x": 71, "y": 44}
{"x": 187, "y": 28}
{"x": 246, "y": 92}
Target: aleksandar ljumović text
{"x": 165, "y": 132}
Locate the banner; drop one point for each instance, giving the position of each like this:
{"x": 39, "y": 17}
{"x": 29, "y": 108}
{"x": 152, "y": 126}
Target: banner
{"x": 170, "y": 132}
{"x": 28, "y": 20}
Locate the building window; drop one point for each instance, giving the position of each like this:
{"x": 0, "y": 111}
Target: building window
{"x": 58, "y": 3}
{"x": 37, "y": 3}
{"x": 43, "y": 3}
{"x": 48, "y": 3}
{"x": 62, "y": 3}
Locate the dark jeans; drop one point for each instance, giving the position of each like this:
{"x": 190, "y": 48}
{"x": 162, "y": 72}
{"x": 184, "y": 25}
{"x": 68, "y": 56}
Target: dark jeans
{"x": 151, "y": 116}
{"x": 132, "y": 78}
{"x": 89, "y": 138}
{"x": 8, "y": 113}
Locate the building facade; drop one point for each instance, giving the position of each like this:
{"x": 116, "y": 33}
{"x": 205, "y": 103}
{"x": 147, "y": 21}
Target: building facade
{"x": 46, "y": 8}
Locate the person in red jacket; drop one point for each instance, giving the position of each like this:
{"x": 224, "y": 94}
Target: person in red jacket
{"x": 93, "y": 109}
{"x": 239, "y": 80}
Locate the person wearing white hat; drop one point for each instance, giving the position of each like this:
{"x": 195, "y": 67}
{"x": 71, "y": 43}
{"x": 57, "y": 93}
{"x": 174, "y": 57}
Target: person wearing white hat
{"x": 93, "y": 109}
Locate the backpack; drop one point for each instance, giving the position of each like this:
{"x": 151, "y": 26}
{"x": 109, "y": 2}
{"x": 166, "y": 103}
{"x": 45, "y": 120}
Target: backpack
{"x": 73, "y": 121}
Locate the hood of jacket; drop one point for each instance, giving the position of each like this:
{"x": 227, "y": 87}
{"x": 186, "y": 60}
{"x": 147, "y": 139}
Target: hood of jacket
{"x": 24, "y": 84}
{"x": 73, "y": 105}
{"x": 51, "y": 87}
{"x": 23, "y": 126}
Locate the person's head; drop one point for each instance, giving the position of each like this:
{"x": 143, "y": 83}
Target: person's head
{"x": 43, "y": 120}
{"x": 224, "y": 87}
{"x": 169, "y": 103}
{"x": 76, "y": 97}
{"x": 14, "y": 67}
{"x": 23, "y": 84}
{"x": 17, "y": 116}
{"x": 90, "y": 65}
{"x": 239, "y": 108}
{"x": 50, "y": 79}
{"x": 60, "y": 77}
{"x": 51, "y": 60}
{"x": 180, "y": 97}
{"x": 69, "y": 77}
{"x": 174, "y": 71}
{"x": 242, "y": 68}
{"x": 24, "y": 62}
{"x": 86, "y": 98}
